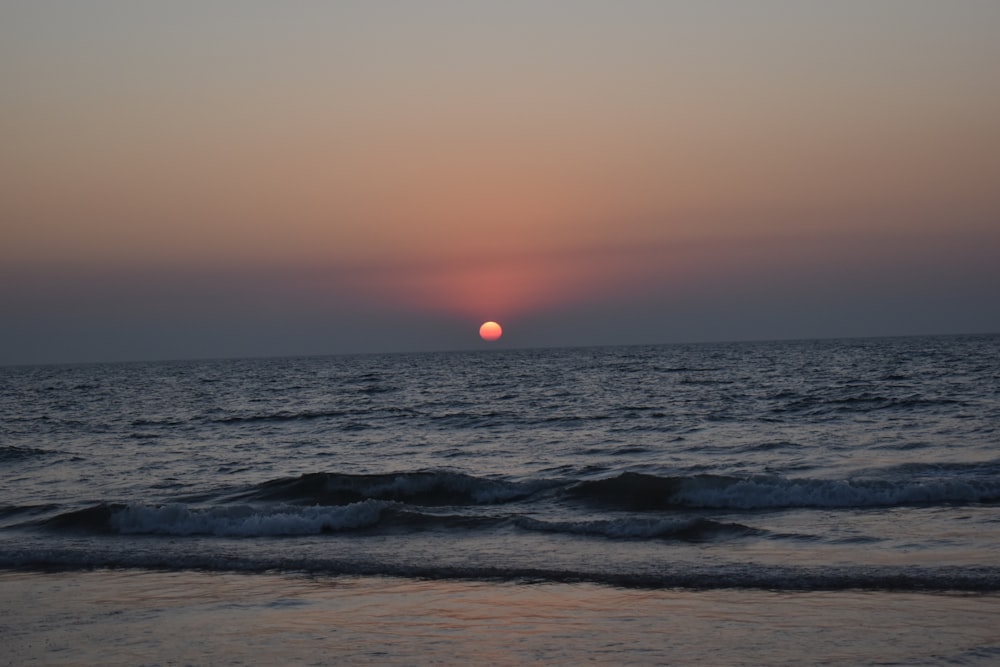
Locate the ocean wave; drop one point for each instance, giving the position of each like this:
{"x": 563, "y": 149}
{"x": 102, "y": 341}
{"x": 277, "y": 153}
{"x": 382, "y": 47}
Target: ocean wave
{"x": 220, "y": 521}
{"x": 689, "y": 529}
{"x": 375, "y": 388}
{"x": 903, "y": 485}
{"x": 14, "y": 453}
{"x": 644, "y": 492}
{"x": 860, "y": 403}
{"x": 20, "y": 511}
{"x": 280, "y": 416}
{"x": 473, "y": 419}
{"x": 244, "y": 521}
{"x": 180, "y": 520}
{"x": 944, "y": 579}
{"x": 660, "y": 507}
{"x": 426, "y": 488}
{"x": 95, "y": 519}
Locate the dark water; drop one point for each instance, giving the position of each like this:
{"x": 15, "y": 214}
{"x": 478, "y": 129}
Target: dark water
{"x": 789, "y": 466}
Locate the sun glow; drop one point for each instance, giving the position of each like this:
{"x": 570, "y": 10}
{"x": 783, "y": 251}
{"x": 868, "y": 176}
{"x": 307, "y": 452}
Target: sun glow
{"x": 490, "y": 331}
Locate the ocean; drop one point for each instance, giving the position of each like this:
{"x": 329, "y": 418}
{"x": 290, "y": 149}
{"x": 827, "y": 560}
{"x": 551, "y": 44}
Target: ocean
{"x": 793, "y": 502}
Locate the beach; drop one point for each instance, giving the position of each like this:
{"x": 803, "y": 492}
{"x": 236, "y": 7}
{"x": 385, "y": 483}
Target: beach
{"x": 141, "y": 617}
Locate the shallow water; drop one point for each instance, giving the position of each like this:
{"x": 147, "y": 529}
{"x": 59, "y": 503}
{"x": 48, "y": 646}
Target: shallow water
{"x": 177, "y": 618}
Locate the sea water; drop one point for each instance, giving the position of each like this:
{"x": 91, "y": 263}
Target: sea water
{"x": 840, "y": 479}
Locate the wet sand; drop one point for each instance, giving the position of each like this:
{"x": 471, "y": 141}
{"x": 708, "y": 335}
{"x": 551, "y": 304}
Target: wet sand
{"x": 133, "y": 617}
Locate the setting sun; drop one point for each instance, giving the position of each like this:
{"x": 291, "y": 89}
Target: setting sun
{"x": 490, "y": 331}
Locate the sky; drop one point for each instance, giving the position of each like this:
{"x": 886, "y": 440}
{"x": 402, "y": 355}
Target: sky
{"x": 196, "y": 179}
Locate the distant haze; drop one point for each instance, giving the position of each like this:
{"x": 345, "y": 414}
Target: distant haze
{"x": 188, "y": 179}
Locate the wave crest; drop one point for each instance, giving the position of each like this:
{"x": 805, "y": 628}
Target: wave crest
{"x": 15, "y": 453}
{"x": 220, "y": 521}
{"x": 643, "y": 492}
{"x": 414, "y": 488}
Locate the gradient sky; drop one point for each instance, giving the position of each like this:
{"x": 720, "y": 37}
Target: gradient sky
{"x": 215, "y": 179}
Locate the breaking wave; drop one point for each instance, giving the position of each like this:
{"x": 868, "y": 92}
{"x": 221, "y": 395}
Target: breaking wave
{"x": 284, "y": 521}
{"x": 643, "y": 492}
{"x": 415, "y": 488}
{"x": 659, "y": 507}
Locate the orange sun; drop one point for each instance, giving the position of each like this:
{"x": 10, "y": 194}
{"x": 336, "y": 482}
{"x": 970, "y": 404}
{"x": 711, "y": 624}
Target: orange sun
{"x": 490, "y": 331}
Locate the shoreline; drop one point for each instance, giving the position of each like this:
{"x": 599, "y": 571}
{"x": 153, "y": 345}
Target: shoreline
{"x": 127, "y": 617}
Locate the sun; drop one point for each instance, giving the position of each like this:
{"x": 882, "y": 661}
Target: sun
{"x": 490, "y": 331}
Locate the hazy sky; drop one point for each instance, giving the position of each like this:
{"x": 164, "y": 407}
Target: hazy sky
{"x": 191, "y": 179}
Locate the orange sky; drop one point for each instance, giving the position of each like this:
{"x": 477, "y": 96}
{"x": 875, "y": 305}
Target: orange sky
{"x": 489, "y": 161}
